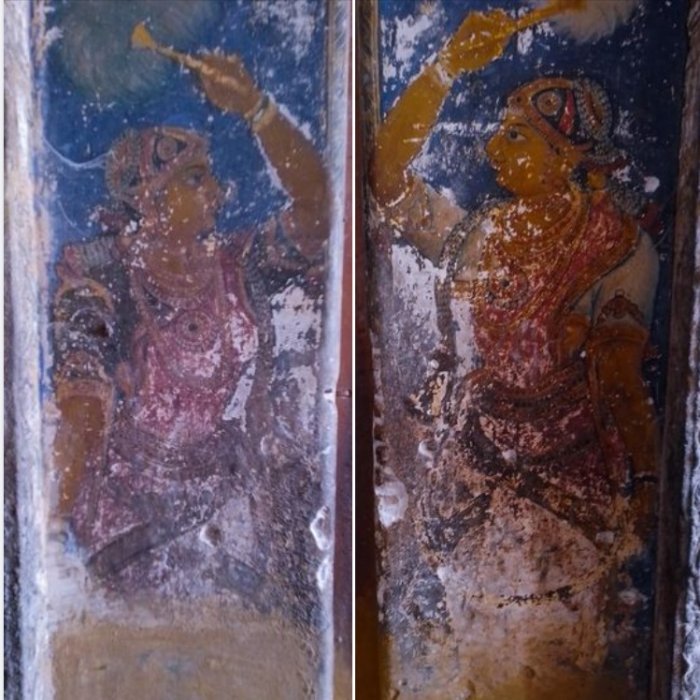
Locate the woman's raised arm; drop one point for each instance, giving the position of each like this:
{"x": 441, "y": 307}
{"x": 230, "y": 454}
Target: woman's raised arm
{"x": 478, "y": 40}
{"x": 229, "y": 86}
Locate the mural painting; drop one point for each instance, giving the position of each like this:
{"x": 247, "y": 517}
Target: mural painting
{"x": 521, "y": 232}
{"x": 183, "y": 147}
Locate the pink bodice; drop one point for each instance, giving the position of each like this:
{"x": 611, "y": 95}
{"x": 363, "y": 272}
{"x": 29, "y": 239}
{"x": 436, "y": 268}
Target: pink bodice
{"x": 186, "y": 366}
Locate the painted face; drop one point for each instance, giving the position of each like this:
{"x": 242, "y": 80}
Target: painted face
{"x": 525, "y": 163}
{"x": 188, "y": 203}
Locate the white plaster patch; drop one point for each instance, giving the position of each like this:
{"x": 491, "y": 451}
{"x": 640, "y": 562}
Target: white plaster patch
{"x": 651, "y": 184}
{"x": 410, "y": 33}
{"x": 235, "y": 410}
{"x": 321, "y": 529}
{"x": 691, "y": 628}
{"x": 392, "y": 502}
{"x": 294, "y": 315}
{"x": 464, "y": 335}
{"x": 525, "y": 41}
{"x": 323, "y": 573}
{"x": 625, "y": 120}
{"x": 414, "y": 282}
{"x": 510, "y": 456}
{"x": 623, "y": 174}
{"x": 426, "y": 453}
{"x": 448, "y": 194}
{"x": 294, "y": 19}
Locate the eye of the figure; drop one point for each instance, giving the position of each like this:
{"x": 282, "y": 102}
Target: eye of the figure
{"x": 514, "y": 134}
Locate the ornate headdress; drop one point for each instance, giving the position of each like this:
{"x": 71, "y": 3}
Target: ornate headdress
{"x": 576, "y": 115}
{"x": 570, "y": 114}
{"x": 140, "y": 162}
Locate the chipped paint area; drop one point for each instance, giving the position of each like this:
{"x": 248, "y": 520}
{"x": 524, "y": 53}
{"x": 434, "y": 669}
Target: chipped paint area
{"x": 296, "y": 317}
{"x": 295, "y": 21}
{"x": 184, "y": 293}
{"x": 392, "y": 503}
{"x": 321, "y": 529}
{"x": 516, "y": 550}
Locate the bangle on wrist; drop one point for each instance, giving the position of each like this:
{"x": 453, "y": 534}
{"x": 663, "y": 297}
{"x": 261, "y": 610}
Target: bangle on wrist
{"x": 253, "y": 111}
{"x": 264, "y": 115}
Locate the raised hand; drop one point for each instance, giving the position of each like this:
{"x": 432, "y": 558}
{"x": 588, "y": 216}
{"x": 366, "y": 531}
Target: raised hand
{"x": 224, "y": 79}
{"x": 227, "y": 84}
{"x": 480, "y": 39}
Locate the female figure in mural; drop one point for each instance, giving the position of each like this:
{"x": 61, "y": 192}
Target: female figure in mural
{"x": 542, "y": 484}
{"x": 158, "y": 326}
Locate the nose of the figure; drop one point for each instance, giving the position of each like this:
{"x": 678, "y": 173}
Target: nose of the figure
{"x": 493, "y": 150}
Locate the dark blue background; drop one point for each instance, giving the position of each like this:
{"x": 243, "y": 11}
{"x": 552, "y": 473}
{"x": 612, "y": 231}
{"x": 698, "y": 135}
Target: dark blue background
{"x": 79, "y": 127}
{"x": 640, "y": 66}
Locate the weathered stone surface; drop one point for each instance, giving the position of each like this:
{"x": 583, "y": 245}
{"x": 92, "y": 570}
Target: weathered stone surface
{"x": 176, "y": 232}
{"x": 517, "y": 451}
